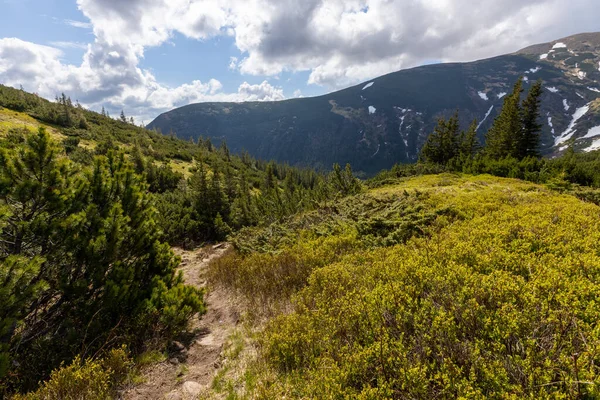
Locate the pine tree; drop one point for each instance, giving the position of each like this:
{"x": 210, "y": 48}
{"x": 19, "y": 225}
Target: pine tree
{"x": 530, "y": 137}
{"x": 66, "y": 105}
{"x": 270, "y": 180}
{"x": 443, "y": 144}
{"x": 225, "y": 150}
{"x": 469, "y": 144}
{"x": 85, "y": 247}
{"x": 123, "y": 118}
{"x": 503, "y": 138}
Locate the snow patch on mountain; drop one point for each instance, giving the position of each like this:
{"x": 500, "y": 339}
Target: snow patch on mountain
{"x": 543, "y": 56}
{"x": 593, "y": 132}
{"x": 525, "y": 79}
{"x": 483, "y": 95}
{"x": 559, "y": 45}
{"x": 594, "y": 146}
{"x": 566, "y": 135}
{"x": 552, "y": 89}
{"x": 372, "y": 110}
{"x": 487, "y": 114}
{"x": 550, "y": 124}
{"x": 378, "y": 147}
{"x": 566, "y": 105}
{"x": 368, "y": 85}
{"x": 581, "y": 74}
{"x": 533, "y": 70}
{"x": 593, "y": 89}
{"x": 501, "y": 94}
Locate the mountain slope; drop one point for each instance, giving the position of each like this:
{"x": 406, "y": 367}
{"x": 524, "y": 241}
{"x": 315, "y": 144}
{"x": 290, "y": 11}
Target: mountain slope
{"x": 384, "y": 121}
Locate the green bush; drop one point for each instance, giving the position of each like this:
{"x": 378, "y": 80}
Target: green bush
{"x": 85, "y": 379}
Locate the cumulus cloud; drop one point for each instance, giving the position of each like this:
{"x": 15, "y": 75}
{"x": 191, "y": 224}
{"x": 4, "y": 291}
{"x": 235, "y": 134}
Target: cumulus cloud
{"x": 109, "y": 76}
{"x": 339, "y": 42}
{"x": 344, "y": 41}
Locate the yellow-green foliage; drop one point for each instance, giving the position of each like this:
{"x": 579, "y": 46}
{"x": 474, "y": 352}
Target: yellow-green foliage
{"x": 499, "y": 303}
{"x": 10, "y": 119}
{"x": 275, "y": 262}
{"x": 89, "y": 380}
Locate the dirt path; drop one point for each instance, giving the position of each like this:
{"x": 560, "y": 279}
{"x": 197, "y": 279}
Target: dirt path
{"x": 192, "y": 362}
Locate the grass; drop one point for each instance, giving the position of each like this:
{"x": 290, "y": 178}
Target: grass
{"x": 10, "y": 119}
{"x": 149, "y": 358}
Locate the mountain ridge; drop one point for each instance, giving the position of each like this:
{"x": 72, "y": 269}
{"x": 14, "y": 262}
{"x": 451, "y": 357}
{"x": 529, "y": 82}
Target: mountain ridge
{"x": 386, "y": 120}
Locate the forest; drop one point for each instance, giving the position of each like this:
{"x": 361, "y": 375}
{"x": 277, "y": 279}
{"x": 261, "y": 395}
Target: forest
{"x": 471, "y": 274}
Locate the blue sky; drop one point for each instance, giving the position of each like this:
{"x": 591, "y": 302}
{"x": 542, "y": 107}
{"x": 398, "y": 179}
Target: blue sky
{"x": 148, "y": 56}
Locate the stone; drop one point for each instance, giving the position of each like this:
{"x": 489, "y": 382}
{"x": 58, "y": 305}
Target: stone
{"x": 177, "y": 346}
{"x": 174, "y": 361}
{"x": 173, "y": 395}
{"x": 191, "y": 389}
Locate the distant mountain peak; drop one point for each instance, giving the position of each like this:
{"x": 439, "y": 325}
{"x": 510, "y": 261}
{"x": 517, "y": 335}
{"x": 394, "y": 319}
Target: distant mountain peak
{"x": 386, "y": 120}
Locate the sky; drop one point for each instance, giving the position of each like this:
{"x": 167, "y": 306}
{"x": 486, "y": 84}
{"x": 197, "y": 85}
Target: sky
{"x": 146, "y": 57}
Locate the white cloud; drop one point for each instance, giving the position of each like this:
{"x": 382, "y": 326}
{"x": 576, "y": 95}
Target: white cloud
{"x": 233, "y": 63}
{"x": 336, "y": 41}
{"x": 78, "y": 24}
{"x": 69, "y": 45}
{"x": 109, "y": 77}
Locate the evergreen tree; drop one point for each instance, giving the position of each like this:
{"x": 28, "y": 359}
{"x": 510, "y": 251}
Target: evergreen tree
{"x": 443, "y": 144}
{"x": 123, "y": 118}
{"x": 270, "y": 180}
{"x": 66, "y": 105}
{"x": 225, "y": 151}
{"x": 504, "y": 137}
{"x": 530, "y": 137}
{"x": 469, "y": 144}
{"x": 79, "y": 250}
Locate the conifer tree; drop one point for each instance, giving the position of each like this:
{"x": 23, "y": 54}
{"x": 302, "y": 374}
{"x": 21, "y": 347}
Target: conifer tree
{"x": 443, "y": 144}
{"x": 530, "y": 136}
{"x": 66, "y": 105}
{"x": 85, "y": 247}
{"x": 468, "y": 142}
{"x": 225, "y": 151}
{"x": 123, "y": 118}
{"x": 504, "y": 137}
{"x": 270, "y": 180}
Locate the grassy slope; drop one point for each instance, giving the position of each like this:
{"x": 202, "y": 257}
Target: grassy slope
{"x": 494, "y": 299}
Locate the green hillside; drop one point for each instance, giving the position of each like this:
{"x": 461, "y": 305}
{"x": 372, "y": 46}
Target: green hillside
{"x": 441, "y": 286}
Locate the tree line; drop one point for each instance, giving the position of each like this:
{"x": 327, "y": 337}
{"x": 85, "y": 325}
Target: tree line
{"x": 514, "y": 134}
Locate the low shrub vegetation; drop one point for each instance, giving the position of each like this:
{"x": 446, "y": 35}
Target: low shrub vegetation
{"x": 497, "y": 300}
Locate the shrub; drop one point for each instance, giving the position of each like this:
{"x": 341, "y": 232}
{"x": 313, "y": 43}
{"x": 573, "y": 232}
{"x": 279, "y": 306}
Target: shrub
{"x": 85, "y": 379}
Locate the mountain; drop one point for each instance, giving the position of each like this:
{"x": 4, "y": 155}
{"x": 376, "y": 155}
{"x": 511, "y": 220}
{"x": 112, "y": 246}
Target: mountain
{"x": 386, "y": 120}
